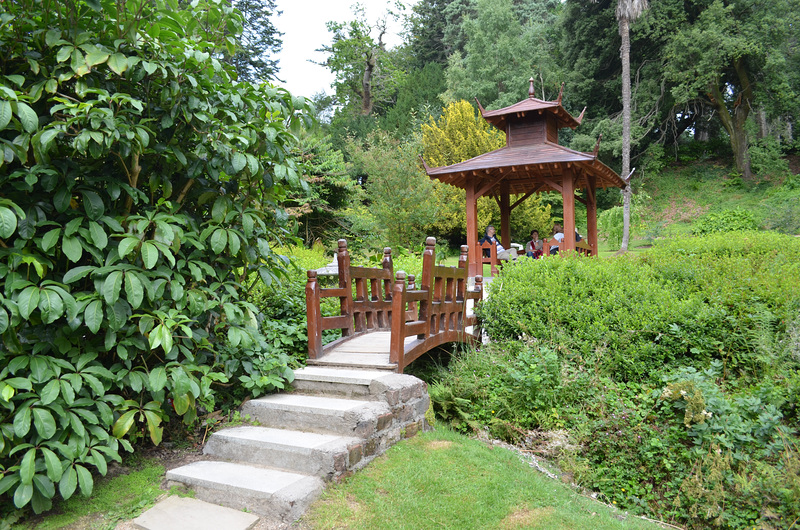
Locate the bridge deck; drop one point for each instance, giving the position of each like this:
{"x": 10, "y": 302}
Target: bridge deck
{"x": 370, "y": 350}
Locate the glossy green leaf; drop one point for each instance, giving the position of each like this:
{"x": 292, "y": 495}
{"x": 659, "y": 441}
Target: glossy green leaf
{"x": 72, "y": 248}
{"x": 93, "y": 204}
{"x": 52, "y": 464}
{"x": 27, "y": 466}
{"x": 149, "y": 255}
{"x": 118, "y": 63}
{"x": 158, "y": 379}
{"x": 85, "y": 481}
{"x": 22, "y": 422}
{"x": 68, "y": 483}
{"x": 50, "y": 305}
{"x": 112, "y": 287}
{"x": 27, "y": 301}
{"x": 126, "y": 245}
{"x": 50, "y": 391}
{"x": 99, "y": 237}
{"x": 124, "y": 424}
{"x": 77, "y": 273}
{"x": 93, "y": 315}
{"x": 238, "y": 161}
{"x": 219, "y": 240}
{"x": 27, "y": 117}
{"x": 23, "y": 494}
{"x": 153, "y": 426}
{"x": 50, "y": 239}
{"x": 5, "y": 114}
{"x": 8, "y": 222}
{"x": 134, "y": 290}
{"x": 44, "y": 423}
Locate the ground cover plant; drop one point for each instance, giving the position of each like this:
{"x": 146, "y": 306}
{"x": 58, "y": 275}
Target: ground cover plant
{"x": 141, "y": 195}
{"x": 673, "y": 373}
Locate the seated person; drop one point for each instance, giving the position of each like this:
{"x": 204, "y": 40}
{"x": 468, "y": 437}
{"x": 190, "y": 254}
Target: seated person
{"x": 502, "y": 253}
{"x": 558, "y": 235}
{"x": 534, "y": 248}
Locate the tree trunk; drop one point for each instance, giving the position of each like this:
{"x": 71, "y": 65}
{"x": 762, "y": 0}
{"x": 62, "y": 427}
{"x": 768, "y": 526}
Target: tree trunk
{"x": 625, "y": 49}
{"x": 366, "y": 84}
{"x": 734, "y": 122}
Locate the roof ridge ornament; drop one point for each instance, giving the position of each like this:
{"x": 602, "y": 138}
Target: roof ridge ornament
{"x": 480, "y": 107}
{"x": 580, "y": 118}
{"x": 597, "y": 145}
{"x": 530, "y": 89}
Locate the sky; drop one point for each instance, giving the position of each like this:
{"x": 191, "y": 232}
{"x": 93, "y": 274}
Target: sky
{"x": 303, "y": 26}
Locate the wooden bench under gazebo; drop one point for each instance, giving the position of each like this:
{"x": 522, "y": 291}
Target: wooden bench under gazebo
{"x": 531, "y": 162}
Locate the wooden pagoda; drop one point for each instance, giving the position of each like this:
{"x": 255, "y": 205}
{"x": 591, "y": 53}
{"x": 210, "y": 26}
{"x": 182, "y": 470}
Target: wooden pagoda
{"x": 531, "y": 162}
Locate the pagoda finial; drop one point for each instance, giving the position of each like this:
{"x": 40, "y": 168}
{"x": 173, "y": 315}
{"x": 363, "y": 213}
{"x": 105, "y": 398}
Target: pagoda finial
{"x": 561, "y": 92}
{"x": 597, "y": 146}
{"x": 480, "y": 107}
{"x": 530, "y": 89}
{"x": 580, "y": 118}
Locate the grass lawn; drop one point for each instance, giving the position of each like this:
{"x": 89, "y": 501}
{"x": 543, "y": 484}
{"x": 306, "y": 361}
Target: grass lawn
{"x": 442, "y": 479}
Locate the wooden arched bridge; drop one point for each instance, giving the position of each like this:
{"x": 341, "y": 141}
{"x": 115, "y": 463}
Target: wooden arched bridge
{"x": 386, "y": 320}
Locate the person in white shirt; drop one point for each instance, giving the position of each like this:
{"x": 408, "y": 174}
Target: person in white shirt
{"x": 558, "y": 235}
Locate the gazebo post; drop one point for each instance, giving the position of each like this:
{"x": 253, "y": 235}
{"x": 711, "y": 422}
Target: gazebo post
{"x": 568, "y": 195}
{"x": 475, "y": 263}
{"x": 591, "y": 213}
{"x": 505, "y": 216}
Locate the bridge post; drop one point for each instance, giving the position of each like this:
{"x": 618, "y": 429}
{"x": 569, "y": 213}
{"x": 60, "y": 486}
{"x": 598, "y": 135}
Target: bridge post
{"x": 313, "y": 316}
{"x": 428, "y": 261}
{"x": 397, "y": 340}
{"x": 345, "y": 302}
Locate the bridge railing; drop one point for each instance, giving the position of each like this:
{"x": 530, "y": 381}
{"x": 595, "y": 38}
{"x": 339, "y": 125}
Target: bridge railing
{"x": 371, "y": 299}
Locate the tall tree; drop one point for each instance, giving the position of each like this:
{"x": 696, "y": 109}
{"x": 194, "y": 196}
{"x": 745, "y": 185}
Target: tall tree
{"x": 627, "y": 12}
{"x": 366, "y": 73}
{"x": 728, "y": 55}
{"x": 259, "y": 42}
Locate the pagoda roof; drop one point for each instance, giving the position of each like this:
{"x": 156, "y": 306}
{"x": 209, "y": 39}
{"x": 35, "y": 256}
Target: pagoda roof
{"x": 537, "y": 167}
{"x": 527, "y": 107}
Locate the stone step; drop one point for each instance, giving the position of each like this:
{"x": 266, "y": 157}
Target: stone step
{"x": 354, "y": 383}
{"x": 321, "y": 455}
{"x": 185, "y": 513}
{"x": 326, "y": 415}
{"x": 271, "y": 493}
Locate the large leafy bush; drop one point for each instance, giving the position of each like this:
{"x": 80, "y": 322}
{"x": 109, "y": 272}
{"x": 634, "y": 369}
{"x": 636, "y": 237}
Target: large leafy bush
{"x": 141, "y": 188}
{"x": 668, "y": 382}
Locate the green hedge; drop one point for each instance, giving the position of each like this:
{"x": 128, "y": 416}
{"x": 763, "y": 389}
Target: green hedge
{"x": 668, "y": 382}
{"x": 686, "y": 301}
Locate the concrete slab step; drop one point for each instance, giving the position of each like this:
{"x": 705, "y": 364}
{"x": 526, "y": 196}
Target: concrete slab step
{"x": 327, "y": 415}
{"x": 343, "y": 382}
{"x": 321, "y": 455}
{"x": 272, "y": 493}
{"x": 183, "y": 513}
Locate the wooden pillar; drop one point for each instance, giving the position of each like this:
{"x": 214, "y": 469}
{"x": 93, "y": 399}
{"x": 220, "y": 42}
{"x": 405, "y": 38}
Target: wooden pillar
{"x": 505, "y": 216}
{"x": 568, "y": 195}
{"x": 475, "y": 265}
{"x": 591, "y": 214}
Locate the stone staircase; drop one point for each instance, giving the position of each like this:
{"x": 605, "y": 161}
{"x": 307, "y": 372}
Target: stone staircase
{"x": 334, "y": 422}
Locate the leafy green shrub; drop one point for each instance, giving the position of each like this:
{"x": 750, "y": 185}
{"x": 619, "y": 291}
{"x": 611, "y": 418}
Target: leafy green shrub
{"x": 674, "y": 373}
{"x": 737, "y": 220}
{"x": 766, "y": 157}
{"x": 141, "y": 187}
{"x": 783, "y": 207}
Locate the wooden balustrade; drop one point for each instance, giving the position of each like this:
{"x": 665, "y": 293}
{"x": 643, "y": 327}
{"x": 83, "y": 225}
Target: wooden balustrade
{"x": 372, "y": 300}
